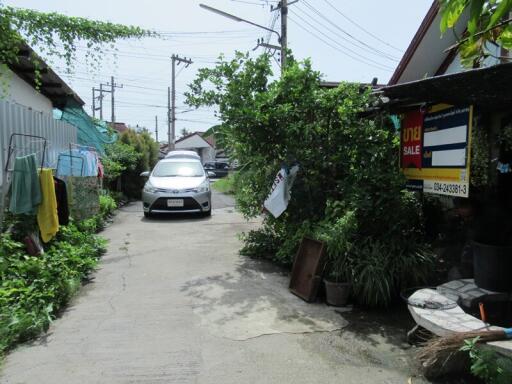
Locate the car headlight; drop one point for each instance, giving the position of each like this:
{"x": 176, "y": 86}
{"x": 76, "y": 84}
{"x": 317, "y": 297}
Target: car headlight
{"x": 148, "y": 187}
{"x": 204, "y": 187}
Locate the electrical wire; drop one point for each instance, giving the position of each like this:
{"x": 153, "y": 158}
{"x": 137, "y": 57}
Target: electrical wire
{"x": 349, "y": 35}
{"x": 362, "y": 28}
{"x": 371, "y": 51}
{"x": 355, "y": 56}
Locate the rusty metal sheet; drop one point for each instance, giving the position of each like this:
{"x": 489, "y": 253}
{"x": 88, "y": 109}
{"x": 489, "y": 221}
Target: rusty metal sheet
{"x": 307, "y": 269}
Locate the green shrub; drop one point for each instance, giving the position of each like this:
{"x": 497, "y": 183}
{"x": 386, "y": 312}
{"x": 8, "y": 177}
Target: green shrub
{"x": 107, "y": 205}
{"x": 33, "y": 289}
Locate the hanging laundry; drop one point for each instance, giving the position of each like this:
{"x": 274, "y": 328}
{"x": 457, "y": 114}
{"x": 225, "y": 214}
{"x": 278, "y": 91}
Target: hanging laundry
{"x": 47, "y": 218}
{"x": 77, "y": 162}
{"x": 61, "y": 194}
{"x": 25, "y": 190}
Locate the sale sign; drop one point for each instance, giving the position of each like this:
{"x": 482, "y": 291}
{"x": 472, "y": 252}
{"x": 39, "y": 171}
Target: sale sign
{"x": 411, "y": 151}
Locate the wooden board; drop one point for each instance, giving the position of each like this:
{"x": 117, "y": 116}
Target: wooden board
{"x": 307, "y": 269}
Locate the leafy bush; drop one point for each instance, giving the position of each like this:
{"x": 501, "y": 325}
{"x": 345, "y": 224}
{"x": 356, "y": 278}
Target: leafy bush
{"x": 348, "y": 191}
{"x": 147, "y": 151}
{"x": 33, "y": 289}
{"x": 107, "y": 205}
{"x": 119, "y": 157}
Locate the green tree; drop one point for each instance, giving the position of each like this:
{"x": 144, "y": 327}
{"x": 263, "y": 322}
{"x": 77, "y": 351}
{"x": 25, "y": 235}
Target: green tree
{"x": 489, "y": 23}
{"x": 348, "y": 169}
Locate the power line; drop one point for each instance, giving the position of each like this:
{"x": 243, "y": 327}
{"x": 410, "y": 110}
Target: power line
{"x": 362, "y": 28}
{"x": 306, "y": 3}
{"x": 355, "y": 56}
{"x": 371, "y": 51}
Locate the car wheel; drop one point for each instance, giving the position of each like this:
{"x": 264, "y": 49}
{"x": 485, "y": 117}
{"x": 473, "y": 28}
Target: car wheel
{"x": 147, "y": 215}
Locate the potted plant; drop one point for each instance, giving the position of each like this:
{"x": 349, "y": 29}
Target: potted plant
{"x": 337, "y": 281}
{"x": 338, "y": 234}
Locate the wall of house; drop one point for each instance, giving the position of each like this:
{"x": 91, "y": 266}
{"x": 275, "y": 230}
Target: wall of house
{"x": 20, "y": 92}
{"x": 456, "y": 66}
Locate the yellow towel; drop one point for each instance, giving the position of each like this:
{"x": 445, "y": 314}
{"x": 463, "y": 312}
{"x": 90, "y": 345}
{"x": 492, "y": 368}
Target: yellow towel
{"x": 47, "y": 218}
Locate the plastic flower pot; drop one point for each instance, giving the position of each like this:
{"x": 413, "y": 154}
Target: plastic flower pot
{"x": 336, "y": 294}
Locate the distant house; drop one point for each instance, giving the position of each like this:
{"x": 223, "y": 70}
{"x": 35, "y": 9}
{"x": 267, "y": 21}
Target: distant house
{"x": 204, "y": 146}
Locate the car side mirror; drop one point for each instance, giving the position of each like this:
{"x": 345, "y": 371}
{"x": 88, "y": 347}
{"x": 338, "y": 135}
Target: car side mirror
{"x": 145, "y": 174}
{"x": 210, "y": 174}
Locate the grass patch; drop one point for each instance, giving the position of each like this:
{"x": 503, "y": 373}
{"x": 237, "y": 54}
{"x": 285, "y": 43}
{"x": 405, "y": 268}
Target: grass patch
{"x": 225, "y": 185}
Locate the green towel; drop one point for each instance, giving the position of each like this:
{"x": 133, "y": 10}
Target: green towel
{"x": 25, "y": 190}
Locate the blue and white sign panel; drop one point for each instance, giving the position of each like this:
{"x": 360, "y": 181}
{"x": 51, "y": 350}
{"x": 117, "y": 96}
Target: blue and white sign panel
{"x": 445, "y": 139}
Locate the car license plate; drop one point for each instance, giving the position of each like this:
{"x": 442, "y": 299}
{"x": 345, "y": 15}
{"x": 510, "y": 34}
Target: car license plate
{"x": 175, "y": 202}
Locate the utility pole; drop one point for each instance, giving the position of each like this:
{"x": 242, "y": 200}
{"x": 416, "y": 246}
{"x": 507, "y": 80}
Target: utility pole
{"x": 156, "y": 129}
{"x": 100, "y": 97}
{"x": 172, "y": 129}
{"x": 284, "y": 33}
{"x": 113, "y": 86}
{"x": 169, "y": 117}
{"x": 100, "y": 90}
{"x": 93, "y": 103}
{"x": 283, "y": 41}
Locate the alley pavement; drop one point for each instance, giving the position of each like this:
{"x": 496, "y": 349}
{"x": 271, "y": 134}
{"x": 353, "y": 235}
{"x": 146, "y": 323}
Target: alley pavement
{"x": 173, "y": 302}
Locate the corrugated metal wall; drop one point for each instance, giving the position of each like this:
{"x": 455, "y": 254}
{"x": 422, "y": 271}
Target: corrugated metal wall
{"x": 15, "y": 118}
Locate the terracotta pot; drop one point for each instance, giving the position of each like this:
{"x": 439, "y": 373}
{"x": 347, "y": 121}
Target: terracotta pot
{"x": 336, "y": 294}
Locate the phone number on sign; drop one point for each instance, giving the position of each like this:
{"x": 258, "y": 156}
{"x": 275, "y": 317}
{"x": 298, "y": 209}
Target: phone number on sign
{"x": 452, "y": 189}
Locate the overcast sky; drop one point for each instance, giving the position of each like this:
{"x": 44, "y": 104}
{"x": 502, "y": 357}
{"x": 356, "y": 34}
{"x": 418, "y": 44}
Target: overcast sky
{"x": 346, "y": 40}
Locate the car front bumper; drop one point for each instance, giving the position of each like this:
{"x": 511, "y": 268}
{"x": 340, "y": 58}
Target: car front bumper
{"x": 192, "y": 202}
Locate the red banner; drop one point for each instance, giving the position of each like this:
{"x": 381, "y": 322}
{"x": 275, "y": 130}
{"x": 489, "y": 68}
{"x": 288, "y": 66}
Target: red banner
{"x": 410, "y": 143}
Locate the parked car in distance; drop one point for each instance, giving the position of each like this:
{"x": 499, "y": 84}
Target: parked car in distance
{"x": 177, "y": 185}
{"x": 219, "y": 168}
{"x": 183, "y": 154}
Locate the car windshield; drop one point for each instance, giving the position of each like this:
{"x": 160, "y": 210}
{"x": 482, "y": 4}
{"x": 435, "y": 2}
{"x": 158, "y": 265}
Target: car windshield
{"x": 178, "y": 168}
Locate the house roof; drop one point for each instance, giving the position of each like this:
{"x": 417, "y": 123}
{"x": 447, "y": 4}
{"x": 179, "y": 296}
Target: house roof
{"x": 487, "y": 88}
{"x": 119, "y": 127}
{"x": 52, "y": 86}
{"x": 190, "y": 135}
{"x": 336, "y": 84}
{"x": 426, "y": 52}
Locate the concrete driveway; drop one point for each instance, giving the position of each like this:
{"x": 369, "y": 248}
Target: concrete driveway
{"x": 172, "y": 302}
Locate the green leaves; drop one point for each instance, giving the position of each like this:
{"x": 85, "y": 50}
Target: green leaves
{"x": 474, "y": 17}
{"x": 451, "y": 11}
{"x": 484, "y": 26}
{"x": 502, "y": 9}
{"x": 57, "y": 35}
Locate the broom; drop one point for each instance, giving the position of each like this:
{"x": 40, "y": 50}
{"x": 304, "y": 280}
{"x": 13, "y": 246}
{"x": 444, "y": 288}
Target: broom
{"x": 446, "y": 346}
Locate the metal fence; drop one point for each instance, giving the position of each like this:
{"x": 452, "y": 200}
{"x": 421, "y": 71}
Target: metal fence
{"x": 15, "y": 118}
